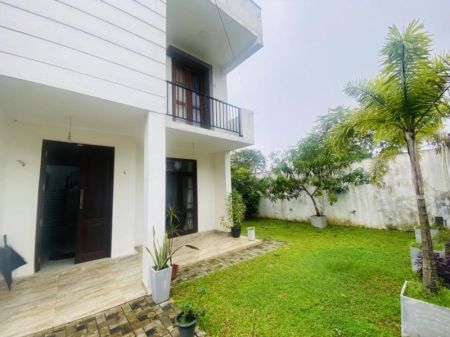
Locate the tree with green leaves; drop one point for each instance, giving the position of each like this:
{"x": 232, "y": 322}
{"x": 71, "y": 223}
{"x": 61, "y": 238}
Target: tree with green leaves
{"x": 314, "y": 168}
{"x": 402, "y": 107}
{"x": 245, "y": 166}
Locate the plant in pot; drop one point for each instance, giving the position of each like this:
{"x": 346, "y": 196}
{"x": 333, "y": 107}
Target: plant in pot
{"x": 161, "y": 271}
{"x": 187, "y": 319}
{"x": 235, "y": 209}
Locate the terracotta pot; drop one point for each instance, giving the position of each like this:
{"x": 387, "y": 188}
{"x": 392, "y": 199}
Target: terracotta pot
{"x": 174, "y": 271}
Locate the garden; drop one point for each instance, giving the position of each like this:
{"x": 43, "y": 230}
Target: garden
{"x": 338, "y": 281}
{"x": 335, "y": 280}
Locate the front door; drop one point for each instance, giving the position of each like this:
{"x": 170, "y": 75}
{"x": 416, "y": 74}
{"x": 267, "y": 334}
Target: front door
{"x": 93, "y": 232}
{"x": 181, "y": 193}
{"x": 76, "y": 185}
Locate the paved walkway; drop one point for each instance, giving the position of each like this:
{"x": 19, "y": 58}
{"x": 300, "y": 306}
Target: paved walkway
{"x": 141, "y": 317}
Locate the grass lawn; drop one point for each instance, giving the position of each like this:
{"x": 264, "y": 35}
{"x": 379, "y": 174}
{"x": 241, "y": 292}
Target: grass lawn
{"x": 339, "y": 281}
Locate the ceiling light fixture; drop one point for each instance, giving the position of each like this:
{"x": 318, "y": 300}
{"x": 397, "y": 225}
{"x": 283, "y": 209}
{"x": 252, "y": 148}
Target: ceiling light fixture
{"x": 69, "y": 134}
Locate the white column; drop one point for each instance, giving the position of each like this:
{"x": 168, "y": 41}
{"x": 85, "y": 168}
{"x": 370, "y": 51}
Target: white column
{"x": 154, "y": 185}
{"x": 222, "y": 184}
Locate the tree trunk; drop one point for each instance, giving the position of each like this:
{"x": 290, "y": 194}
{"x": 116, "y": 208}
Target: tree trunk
{"x": 318, "y": 213}
{"x": 430, "y": 280}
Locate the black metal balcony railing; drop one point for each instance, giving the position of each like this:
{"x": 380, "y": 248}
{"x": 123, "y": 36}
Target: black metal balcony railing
{"x": 201, "y": 110}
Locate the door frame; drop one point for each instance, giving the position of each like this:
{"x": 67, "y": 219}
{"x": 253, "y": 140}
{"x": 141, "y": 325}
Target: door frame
{"x": 194, "y": 174}
{"x": 40, "y": 203}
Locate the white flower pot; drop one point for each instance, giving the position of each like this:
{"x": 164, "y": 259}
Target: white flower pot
{"x": 434, "y": 233}
{"x": 423, "y": 319}
{"x": 251, "y": 234}
{"x": 319, "y": 221}
{"x": 160, "y": 284}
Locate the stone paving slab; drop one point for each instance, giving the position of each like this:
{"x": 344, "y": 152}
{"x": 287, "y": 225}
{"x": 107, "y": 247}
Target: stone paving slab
{"x": 207, "y": 266}
{"x": 141, "y": 317}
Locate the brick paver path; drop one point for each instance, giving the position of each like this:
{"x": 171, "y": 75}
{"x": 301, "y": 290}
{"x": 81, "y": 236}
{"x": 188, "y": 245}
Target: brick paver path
{"x": 142, "y": 317}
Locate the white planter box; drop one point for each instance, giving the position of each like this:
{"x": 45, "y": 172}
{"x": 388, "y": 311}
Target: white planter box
{"x": 251, "y": 234}
{"x": 415, "y": 253}
{"x": 422, "y": 319}
{"x": 418, "y": 234}
{"x": 319, "y": 221}
{"x": 160, "y": 284}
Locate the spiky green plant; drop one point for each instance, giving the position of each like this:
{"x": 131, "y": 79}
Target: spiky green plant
{"x": 161, "y": 254}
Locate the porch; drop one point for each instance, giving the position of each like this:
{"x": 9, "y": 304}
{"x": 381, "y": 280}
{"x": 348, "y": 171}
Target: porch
{"x": 68, "y": 292}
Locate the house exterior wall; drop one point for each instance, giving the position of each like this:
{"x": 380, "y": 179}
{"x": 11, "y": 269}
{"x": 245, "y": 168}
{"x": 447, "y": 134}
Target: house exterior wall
{"x": 22, "y": 184}
{"x": 370, "y": 206}
{"x": 111, "y": 49}
{"x": 3, "y": 154}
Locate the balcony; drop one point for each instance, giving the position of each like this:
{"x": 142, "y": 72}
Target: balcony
{"x": 197, "y": 109}
{"x": 196, "y": 120}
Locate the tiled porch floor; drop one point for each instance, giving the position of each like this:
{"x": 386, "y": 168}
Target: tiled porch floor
{"x": 59, "y": 295}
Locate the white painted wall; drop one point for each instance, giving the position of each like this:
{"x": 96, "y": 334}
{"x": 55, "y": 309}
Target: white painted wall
{"x": 3, "y": 155}
{"x": 25, "y": 143}
{"x": 369, "y": 206}
{"x": 111, "y": 49}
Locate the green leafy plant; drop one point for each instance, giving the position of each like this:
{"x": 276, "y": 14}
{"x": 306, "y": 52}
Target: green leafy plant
{"x": 402, "y": 107}
{"x": 246, "y": 165}
{"x": 315, "y": 168}
{"x": 173, "y": 228}
{"x": 190, "y": 313}
{"x": 161, "y": 254}
{"x": 235, "y": 208}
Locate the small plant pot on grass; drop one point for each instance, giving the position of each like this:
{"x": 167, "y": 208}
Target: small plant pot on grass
{"x": 418, "y": 234}
{"x": 423, "y": 319}
{"x": 235, "y": 232}
{"x": 185, "y": 329}
{"x": 319, "y": 221}
{"x": 160, "y": 284}
{"x": 188, "y": 317}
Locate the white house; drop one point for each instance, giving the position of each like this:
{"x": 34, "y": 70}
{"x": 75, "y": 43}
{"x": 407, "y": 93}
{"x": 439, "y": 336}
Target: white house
{"x": 112, "y": 110}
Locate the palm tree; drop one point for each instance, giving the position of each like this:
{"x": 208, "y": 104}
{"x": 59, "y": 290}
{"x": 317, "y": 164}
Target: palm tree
{"x": 401, "y": 107}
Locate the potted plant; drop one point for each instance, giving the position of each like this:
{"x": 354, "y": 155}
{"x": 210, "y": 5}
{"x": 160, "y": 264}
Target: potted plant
{"x": 161, "y": 271}
{"x": 235, "y": 208}
{"x": 187, "y": 319}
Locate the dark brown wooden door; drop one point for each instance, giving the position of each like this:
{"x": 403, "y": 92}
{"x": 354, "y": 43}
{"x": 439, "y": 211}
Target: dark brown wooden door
{"x": 93, "y": 230}
{"x": 189, "y": 99}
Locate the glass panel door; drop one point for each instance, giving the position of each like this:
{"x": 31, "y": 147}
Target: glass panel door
{"x": 181, "y": 193}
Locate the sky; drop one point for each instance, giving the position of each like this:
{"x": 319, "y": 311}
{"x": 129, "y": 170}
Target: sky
{"x": 312, "y": 48}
